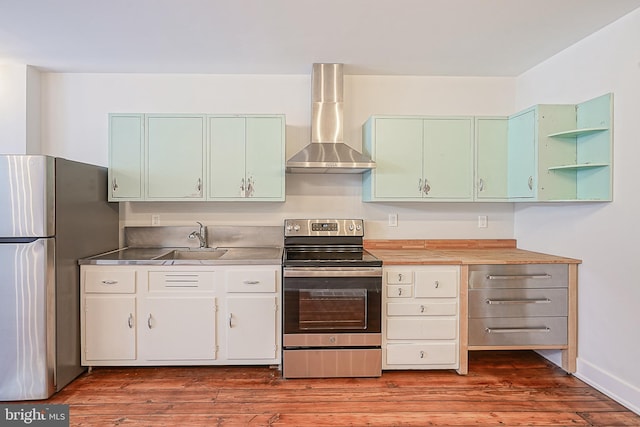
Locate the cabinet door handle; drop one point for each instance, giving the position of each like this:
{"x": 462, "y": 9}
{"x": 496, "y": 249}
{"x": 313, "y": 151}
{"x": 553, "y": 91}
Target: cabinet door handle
{"x": 530, "y": 183}
{"x": 242, "y": 192}
{"x": 518, "y": 301}
{"x": 420, "y": 185}
{"x": 230, "y": 317}
{"x": 109, "y": 282}
{"x": 114, "y": 184}
{"x": 199, "y": 185}
{"x": 251, "y": 282}
{"x": 517, "y": 276}
{"x": 437, "y": 284}
{"x": 427, "y": 187}
{"x": 149, "y": 321}
{"x": 515, "y": 330}
{"x": 130, "y": 321}
{"x": 250, "y": 187}
{"x": 481, "y": 185}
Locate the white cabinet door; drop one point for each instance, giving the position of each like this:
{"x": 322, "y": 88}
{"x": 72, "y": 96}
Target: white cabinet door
{"x": 178, "y": 328}
{"x": 251, "y": 327}
{"x": 109, "y": 328}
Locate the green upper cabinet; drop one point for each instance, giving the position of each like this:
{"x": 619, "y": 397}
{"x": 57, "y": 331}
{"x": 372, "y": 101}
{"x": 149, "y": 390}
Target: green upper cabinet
{"x": 196, "y": 157}
{"x": 418, "y": 158}
{"x": 246, "y": 158}
{"x": 521, "y": 155}
{"x": 561, "y": 152}
{"x": 491, "y": 159}
{"x": 126, "y": 151}
{"x": 175, "y": 157}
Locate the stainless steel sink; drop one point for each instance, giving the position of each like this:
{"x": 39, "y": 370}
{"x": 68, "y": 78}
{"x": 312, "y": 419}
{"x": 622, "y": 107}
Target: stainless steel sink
{"x": 194, "y": 254}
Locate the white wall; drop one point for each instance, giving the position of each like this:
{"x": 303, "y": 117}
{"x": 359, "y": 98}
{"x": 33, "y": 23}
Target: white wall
{"x": 19, "y": 109}
{"x": 603, "y": 235}
{"x": 74, "y": 125}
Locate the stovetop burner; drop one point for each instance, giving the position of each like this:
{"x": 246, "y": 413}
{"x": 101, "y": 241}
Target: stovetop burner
{"x": 326, "y": 242}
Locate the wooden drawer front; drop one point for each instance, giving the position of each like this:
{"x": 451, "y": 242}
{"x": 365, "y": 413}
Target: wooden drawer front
{"x": 518, "y": 331}
{"x": 399, "y": 277}
{"x": 517, "y": 302}
{"x": 421, "y": 329}
{"x": 399, "y": 291}
{"x": 110, "y": 282}
{"x": 422, "y": 354}
{"x": 422, "y": 309}
{"x": 436, "y": 284}
{"x": 181, "y": 280}
{"x": 519, "y": 276}
{"x": 252, "y": 280}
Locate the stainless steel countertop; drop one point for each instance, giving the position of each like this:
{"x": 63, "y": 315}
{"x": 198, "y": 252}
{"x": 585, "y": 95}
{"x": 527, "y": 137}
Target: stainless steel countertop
{"x": 159, "y": 256}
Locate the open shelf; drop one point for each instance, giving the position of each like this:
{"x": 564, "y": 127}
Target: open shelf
{"x": 579, "y": 166}
{"x": 576, "y": 132}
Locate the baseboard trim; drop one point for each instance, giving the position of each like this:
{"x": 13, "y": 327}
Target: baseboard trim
{"x": 619, "y": 390}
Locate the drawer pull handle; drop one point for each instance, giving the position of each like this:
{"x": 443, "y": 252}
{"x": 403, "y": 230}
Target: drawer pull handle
{"x": 437, "y": 284}
{"x": 515, "y": 330}
{"x": 399, "y": 291}
{"x": 421, "y": 354}
{"x": 130, "y": 321}
{"x": 422, "y": 309}
{"x": 251, "y": 282}
{"x": 399, "y": 277}
{"x": 518, "y": 276}
{"x": 109, "y": 282}
{"x": 519, "y": 301}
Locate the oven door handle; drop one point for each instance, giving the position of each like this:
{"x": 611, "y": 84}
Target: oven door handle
{"x": 332, "y": 272}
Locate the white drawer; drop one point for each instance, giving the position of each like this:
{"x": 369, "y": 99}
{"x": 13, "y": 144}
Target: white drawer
{"x": 402, "y": 328}
{"x": 401, "y": 277}
{"x": 181, "y": 280}
{"x": 252, "y": 280}
{"x": 422, "y": 309}
{"x": 422, "y": 354}
{"x": 110, "y": 281}
{"x": 436, "y": 284}
{"x": 399, "y": 291}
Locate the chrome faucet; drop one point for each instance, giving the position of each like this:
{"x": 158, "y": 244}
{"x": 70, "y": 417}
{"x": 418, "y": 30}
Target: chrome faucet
{"x": 200, "y": 235}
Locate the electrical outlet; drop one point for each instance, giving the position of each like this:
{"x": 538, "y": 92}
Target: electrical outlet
{"x": 482, "y": 221}
{"x": 155, "y": 219}
{"x": 393, "y": 220}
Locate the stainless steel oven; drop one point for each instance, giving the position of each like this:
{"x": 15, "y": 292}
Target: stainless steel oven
{"x": 332, "y": 301}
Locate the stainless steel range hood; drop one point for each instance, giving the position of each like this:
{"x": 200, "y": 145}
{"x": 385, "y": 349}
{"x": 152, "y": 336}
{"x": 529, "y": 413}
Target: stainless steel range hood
{"x": 327, "y": 152}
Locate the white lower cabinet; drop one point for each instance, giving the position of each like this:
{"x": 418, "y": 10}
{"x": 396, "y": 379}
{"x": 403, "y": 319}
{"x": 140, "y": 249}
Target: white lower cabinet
{"x": 421, "y": 317}
{"x": 180, "y": 315}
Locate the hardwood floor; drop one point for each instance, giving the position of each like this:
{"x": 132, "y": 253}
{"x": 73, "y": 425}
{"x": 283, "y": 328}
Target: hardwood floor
{"x": 502, "y": 389}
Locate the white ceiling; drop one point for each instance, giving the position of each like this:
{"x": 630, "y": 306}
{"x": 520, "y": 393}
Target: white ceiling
{"x": 405, "y": 37}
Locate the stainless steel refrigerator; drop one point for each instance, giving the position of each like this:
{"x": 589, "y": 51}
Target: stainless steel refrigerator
{"x": 52, "y": 212}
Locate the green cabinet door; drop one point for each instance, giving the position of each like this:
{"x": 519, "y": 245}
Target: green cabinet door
{"x": 226, "y": 157}
{"x": 126, "y": 150}
{"x": 399, "y": 158}
{"x": 175, "y": 157}
{"x": 491, "y": 158}
{"x": 522, "y": 136}
{"x": 448, "y": 158}
{"x": 265, "y": 158}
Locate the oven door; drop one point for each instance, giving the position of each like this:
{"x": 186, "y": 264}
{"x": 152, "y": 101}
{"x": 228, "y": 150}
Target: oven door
{"x": 332, "y": 300}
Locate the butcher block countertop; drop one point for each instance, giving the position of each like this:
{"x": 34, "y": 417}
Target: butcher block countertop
{"x": 448, "y": 252}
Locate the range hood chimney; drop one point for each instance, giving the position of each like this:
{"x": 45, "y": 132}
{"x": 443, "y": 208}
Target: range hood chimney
{"x": 327, "y": 152}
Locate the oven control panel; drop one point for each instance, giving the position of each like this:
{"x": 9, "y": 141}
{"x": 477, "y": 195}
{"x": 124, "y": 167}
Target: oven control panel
{"x": 324, "y": 227}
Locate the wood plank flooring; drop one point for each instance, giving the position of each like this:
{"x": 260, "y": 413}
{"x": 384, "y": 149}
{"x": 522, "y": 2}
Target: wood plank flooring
{"x": 503, "y": 388}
